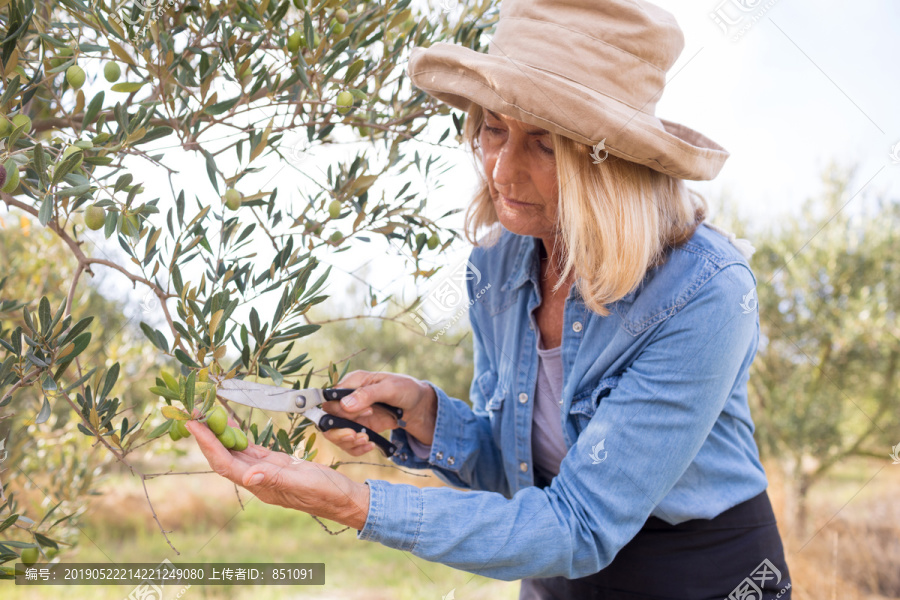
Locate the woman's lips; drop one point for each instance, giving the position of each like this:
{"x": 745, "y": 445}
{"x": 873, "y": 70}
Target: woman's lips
{"x": 512, "y": 202}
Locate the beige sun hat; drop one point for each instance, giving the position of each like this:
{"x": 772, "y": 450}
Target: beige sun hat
{"x": 590, "y": 70}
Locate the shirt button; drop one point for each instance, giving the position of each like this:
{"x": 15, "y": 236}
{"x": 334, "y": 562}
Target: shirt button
{"x": 439, "y": 455}
{"x": 523, "y": 397}
{"x": 450, "y": 460}
{"x": 523, "y": 466}
{"x": 576, "y": 326}
{"x": 403, "y": 456}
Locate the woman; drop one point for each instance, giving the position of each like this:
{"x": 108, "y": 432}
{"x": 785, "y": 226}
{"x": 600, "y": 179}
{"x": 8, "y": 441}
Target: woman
{"x": 609, "y": 447}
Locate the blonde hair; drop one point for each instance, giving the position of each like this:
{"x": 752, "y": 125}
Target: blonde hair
{"x": 616, "y": 219}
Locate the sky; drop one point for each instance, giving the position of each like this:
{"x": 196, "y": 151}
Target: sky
{"x": 804, "y": 83}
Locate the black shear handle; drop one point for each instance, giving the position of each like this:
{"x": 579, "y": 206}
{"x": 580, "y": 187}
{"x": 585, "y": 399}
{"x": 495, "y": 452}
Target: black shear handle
{"x": 332, "y": 422}
{"x": 338, "y": 393}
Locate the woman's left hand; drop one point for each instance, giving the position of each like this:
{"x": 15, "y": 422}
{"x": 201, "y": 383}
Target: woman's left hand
{"x": 280, "y": 479}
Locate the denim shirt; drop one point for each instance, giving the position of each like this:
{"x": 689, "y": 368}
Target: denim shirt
{"x": 654, "y": 415}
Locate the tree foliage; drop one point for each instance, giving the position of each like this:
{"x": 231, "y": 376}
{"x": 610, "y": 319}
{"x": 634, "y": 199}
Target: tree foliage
{"x": 824, "y": 385}
{"x": 225, "y": 83}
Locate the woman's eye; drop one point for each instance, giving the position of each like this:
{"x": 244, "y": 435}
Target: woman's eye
{"x": 497, "y": 131}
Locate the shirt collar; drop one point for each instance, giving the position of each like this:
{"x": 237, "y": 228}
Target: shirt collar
{"x": 526, "y": 264}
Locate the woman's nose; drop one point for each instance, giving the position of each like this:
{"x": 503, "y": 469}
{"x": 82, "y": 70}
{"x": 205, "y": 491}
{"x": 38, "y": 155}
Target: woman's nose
{"x": 509, "y": 164}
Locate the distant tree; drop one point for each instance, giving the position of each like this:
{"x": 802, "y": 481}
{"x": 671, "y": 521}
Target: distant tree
{"x": 824, "y": 386}
{"x": 47, "y": 469}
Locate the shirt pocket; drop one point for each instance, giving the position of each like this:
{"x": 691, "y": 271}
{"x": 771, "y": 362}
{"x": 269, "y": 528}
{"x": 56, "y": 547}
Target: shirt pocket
{"x": 585, "y": 404}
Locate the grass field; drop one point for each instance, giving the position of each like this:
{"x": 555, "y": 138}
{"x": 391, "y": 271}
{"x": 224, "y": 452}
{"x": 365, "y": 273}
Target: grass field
{"x": 851, "y": 551}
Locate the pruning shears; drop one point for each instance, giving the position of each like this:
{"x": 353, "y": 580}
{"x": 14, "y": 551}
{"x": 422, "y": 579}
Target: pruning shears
{"x": 305, "y": 401}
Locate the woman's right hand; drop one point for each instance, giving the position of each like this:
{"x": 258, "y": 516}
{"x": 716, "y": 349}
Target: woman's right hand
{"x": 415, "y": 397}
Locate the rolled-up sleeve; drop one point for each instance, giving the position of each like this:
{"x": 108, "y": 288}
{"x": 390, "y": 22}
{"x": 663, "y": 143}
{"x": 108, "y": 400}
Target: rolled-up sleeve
{"x": 463, "y": 452}
{"x": 652, "y": 425}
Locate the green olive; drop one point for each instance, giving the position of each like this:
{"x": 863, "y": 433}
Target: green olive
{"x": 5, "y": 126}
{"x": 240, "y": 440}
{"x": 433, "y": 241}
{"x": 232, "y": 198}
{"x": 12, "y": 176}
{"x": 30, "y": 556}
{"x": 21, "y": 119}
{"x": 294, "y": 41}
{"x": 344, "y": 101}
{"x": 75, "y": 76}
{"x": 227, "y": 437}
{"x": 342, "y": 16}
{"x": 334, "y": 209}
{"x": 217, "y": 420}
{"x": 112, "y": 71}
{"x": 94, "y": 217}
{"x": 182, "y": 429}
{"x": 174, "y": 433}
{"x": 129, "y": 225}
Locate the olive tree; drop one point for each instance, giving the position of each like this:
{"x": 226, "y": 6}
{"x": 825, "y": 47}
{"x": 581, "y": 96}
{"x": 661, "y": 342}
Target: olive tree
{"x": 824, "y": 385}
{"x": 232, "y": 264}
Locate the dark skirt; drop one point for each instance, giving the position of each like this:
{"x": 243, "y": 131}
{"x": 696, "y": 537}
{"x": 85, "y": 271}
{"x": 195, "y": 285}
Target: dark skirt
{"x": 737, "y": 555}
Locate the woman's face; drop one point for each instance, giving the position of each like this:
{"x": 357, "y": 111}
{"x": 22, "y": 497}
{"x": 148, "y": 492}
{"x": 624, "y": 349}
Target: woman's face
{"x": 521, "y": 171}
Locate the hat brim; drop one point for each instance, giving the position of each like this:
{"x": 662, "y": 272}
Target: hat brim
{"x": 458, "y": 76}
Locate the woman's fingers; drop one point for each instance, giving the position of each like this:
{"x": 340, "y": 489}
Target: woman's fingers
{"x": 349, "y": 440}
{"x": 369, "y": 387}
{"x": 219, "y": 458}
